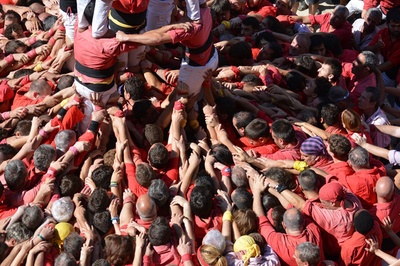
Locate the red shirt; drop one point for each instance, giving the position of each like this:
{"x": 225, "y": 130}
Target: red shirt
{"x": 134, "y": 186}
{"x": 263, "y": 150}
{"x": 384, "y": 4}
{"x": 343, "y": 33}
{"x": 292, "y": 153}
{"x": 285, "y": 245}
{"x": 339, "y": 169}
{"x": 353, "y": 250}
{"x": 202, "y": 227}
{"x": 21, "y": 100}
{"x": 170, "y": 174}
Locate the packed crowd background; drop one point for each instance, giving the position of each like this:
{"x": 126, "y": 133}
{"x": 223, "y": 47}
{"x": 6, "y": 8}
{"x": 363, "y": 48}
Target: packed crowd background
{"x": 226, "y": 132}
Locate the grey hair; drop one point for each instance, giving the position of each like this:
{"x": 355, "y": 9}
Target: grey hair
{"x": 63, "y": 139}
{"x": 65, "y": 259}
{"x": 159, "y": 191}
{"x": 216, "y": 239}
{"x": 63, "y": 209}
{"x": 359, "y": 157}
{"x": 370, "y": 59}
{"x": 340, "y": 9}
{"x": 375, "y": 12}
{"x": 19, "y": 232}
{"x": 293, "y": 219}
{"x": 309, "y": 252}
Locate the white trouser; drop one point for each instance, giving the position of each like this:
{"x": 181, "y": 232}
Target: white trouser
{"x": 100, "y": 16}
{"x": 193, "y": 75}
{"x": 69, "y": 23}
{"x": 89, "y": 106}
{"x": 158, "y": 14}
{"x": 131, "y": 58}
{"x": 193, "y": 9}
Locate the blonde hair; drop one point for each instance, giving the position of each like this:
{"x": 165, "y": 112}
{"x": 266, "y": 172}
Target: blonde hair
{"x": 212, "y": 256}
{"x": 247, "y": 244}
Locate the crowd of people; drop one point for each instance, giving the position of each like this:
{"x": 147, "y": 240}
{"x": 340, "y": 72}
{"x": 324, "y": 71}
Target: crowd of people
{"x": 226, "y": 132}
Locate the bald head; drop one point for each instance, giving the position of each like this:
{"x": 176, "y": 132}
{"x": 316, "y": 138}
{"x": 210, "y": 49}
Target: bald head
{"x": 146, "y": 208}
{"x": 293, "y": 220}
{"x": 41, "y": 87}
{"x": 384, "y": 188}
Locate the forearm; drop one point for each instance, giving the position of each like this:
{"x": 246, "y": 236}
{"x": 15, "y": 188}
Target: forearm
{"x": 257, "y": 204}
{"x": 317, "y": 131}
{"x": 39, "y": 261}
{"x": 284, "y": 202}
{"x": 386, "y": 257}
{"x": 137, "y": 260}
{"x": 294, "y": 199}
{"x": 390, "y": 130}
{"x": 377, "y": 151}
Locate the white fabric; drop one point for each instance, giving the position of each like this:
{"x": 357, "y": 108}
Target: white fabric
{"x": 69, "y": 23}
{"x": 356, "y": 30}
{"x": 355, "y": 6}
{"x": 100, "y": 16}
{"x": 159, "y": 13}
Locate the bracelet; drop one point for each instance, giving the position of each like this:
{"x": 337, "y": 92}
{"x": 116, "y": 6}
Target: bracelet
{"x": 5, "y": 115}
{"x": 279, "y": 188}
{"x": 239, "y": 85}
{"x": 51, "y": 171}
{"x": 41, "y": 237}
{"x": 114, "y": 220}
{"x": 51, "y": 32}
{"x": 128, "y": 200}
{"x": 9, "y": 58}
{"x": 74, "y": 150}
{"x": 62, "y": 112}
{"x": 186, "y": 257}
{"x": 52, "y": 41}
{"x": 227, "y": 216}
{"x": 236, "y": 71}
{"x": 43, "y": 133}
{"x": 113, "y": 184}
{"x": 98, "y": 108}
{"x": 300, "y": 166}
{"x": 226, "y": 171}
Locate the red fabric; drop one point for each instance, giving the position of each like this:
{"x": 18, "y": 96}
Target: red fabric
{"x": 131, "y": 6}
{"x": 353, "y": 250}
{"x": 339, "y": 169}
{"x": 170, "y": 174}
{"x": 203, "y": 226}
{"x": 385, "y": 4}
{"x": 292, "y": 153}
{"x": 391, "y": 50}
{"x": 21, "y": 100}
{"x": 34, "y": 175}
{"x": 265, "y": 11}
{"x": 283, "y": 244}
{"x": 357, "y": 87}
{"x": 348, "y": 56}
{"x": 343, "y": 33}
{"x": 166, "y": 255}
{"x": 133, "y": 185}
{"x": 90, "y": 137}
{"x": 262, "y": 115}
{"x": 336, "y": 130}
{"x": 263, "y": 150}
{"x": 6, "y": 92}
{"x": 196, "y": 38}
{"x": 6, "y": 211}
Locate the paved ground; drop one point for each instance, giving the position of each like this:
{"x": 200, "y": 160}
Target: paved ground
{"x": 324, "y": 7}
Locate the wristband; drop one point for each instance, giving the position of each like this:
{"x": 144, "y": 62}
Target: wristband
{"x": 227, "y": 216}
{"x": 98, "y": 108}
{"x": 239, "y": 85}
{"x": 227, "y": 24}
{"x": 52, "y": 41}
{"x": 114, "y": 220}
{"x": 279, "y": 188}
{"x": 9, "y": 59}
{"x": 64, "y": 102}
{"x": 74, "y": 150}
{"x": 236, "y": 71}
{"x": 61, "y": 28}
{"x": 186, "y": 257}
{"x": 179, "y": 106}
{"x": 5, "y": 115}
{"x": 32, "y": 40}
{"x": 242, "y": 16}
{"x": 113, "y": 184}
{"x": 300, "y": 166}
{"x": 51, "y": 171}
{"x": 41, "y": 237}
{"x": 43, "y": 133}
{"x": 51, "y": 32}
{"x": 38, "y": 67}
{"x": 32, "y": 53}
{"x": 128, "y": 200}
{"x": 226, "y": 171}
{"x": 62, "y": 112}
{"x": 94, "y": 126}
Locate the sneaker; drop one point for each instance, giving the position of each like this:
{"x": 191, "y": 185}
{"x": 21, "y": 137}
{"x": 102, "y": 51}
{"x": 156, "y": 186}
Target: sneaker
{"x": 303, "y": 6}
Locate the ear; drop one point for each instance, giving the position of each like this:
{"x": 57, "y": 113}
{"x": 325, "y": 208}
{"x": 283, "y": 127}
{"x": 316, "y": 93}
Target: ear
{"x": 281, "y": 141}
{"x": 35, "y": 94}
{"x": 322, "y": 120}
{"x": 13, "y": 242}
{"x": 330, "y": 77}
{"x": 18, "y": 134}
{"x": 261, "y": 140}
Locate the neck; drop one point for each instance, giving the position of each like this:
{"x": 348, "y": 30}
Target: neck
{"x": 384, "y": 199}
{"x": 310, "y": 194}
{"x": 369, "y": 112}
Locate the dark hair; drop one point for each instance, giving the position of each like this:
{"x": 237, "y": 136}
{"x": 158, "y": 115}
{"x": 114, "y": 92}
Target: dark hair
{"x": 283, "y": 129}
{"x": 308, "y": 180}
{"x": 32, "y": 217}
{"x": 204, "y": 179}
{"x": 70, "y": 184}
{"x": 295, "y": 81}
{"x": 65, "y": 82}
{"x": 243, "y": 118}
{"x": 201, "y": 201}
{"x": 269, "y": 201}
{"x": 220, "y": 6}
{"x": 160, "y": 232}
{"x": 153, "y": 133}
{"x": 12, "y": 46}
{"x": 159, "y": 191}
{"x": 316, "y": 40}
{"x": 222, "y": 154}
{"x": 393, "y": 14}
{"x": 15, "y": 174}
{"x": 119, "y": 250}
{"x": 49, "y": 22}
{"x": 330, "y": 113}
{"x": 11, "y": 15}
{"x": 14, "y": 27}
{"x": 306, "y": 65}
{"x": 257, "y": 128}
{"x": 242, "y": 198}
{"x": 265, "y": 37}
{"x": 322, "y": 86}
{"x": 101, "y": 262}
{"x": 43, "y": 156}
{"x": 251, "y": 21}
{"x": 277, "y": 217}
{"x": 23, "y": 127}
{"x": 246, "y": 221}
{"x": 281, "y": 176}
{"x": 158, "y": 156}
{"x": 240, "y": 52}
{"x": 23, "y": 72}
{"x": 140, "y": 108}
{"x": 101, "y": 176}
{"x": 136, "y": 88}
{"x": 144, "y": 174}
{"x": 375, "y": 95}
{"x": 272, "y": 23}
{"x": 332, "y": 43}
{"x": 65, "y": 259}
{"x": 363, "y": 222}
{"x": 7, "y": 151}
{"x": 73, "y": 244}
{"x": 336, "y": 67}
{"x": 102, "y": 222}
{"x": 340, "y": 146}
{"x": 252, "y": 79}
{"x": 226, "y": 105}
{"x": 99, "y": 200}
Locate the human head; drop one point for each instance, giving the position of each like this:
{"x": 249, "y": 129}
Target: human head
{"x": 204, "y": 179}
{"x": 146, "y": 208}
{"x": 359, "y": 158}
{"x": 101, "y": 262}
{"x": 370, "y": 99}
{"x": 330, "y": 114}
{"x": 15, "y": 174}
{"x": 145, "y": 112}
{"x": 222, "y": 154}
{"x": 308, "y": 180}
{"x": 17, "y": 233}
{"x": 269, "y": 201}
{"x": 351, "y": 120}
{"x": 63, "y": 209}
{"x": 306, "y": 65}
{"x": 300, "y": 44}
{"x": 247, "y": 248}
{"x": 201, "y": 201}
{"x": 14, "y": 46}
{"x": 65, "y": 259}
{"x": 384, "y": 188}
{"x": 32, "y": 217}
{"x": 364, "y": 64}
{"x": 330, "y": 69}
{"x": 257, "y": 131}
{"x": 222, "y": 10}
{"x": 312, "y": 150}
{"x": 283, "y": 7}
{"x": 61, "y": 232}
{"x": 339, "y": 16}
{"x": 239, "y": 177}
{"x": 153, "y": 133}
{"x": 160, "y": 232}
{"x": 363, "y": 222}
{"x": 242, "y": 198}
{"x": 393, "y": 22}
{"x": 65, "y": 139}
{"x": 281, "y": 176}
{"x": 282, "y": 133}
{"x": 43, "y": 156}
{"x": 73, "y": 244}
{"x": 307, "y": 254}
{"x": 250, "y": 25}
{"x": 215, "y": 239}
{"x": 134, "y": 88}
{"x": 339, "y": 147}
{"x": 240, "y": 54}
{"x": 118, "y": 250}
{"x": 332, "y": 195}
{"x": 246, "y": 221}
{"x": 102, "y": 222}
{"x": 48, "y": 22}
{"x": 340, "y": 97}
{"x": 211, "y": 256}
{"x": 144, "y": 174}
{"x": 158, "y": 156}
{"x": 6, "y": 152}
{"x": 40, "y": 89}
{"x": 23, "y": 128}
{"x": 226, "y": 108}
{"x": 65, "y": 82}
{"x": 14, "y": 31}
{"x": 373, "y": 18}
{"x": 101, "y": 176}
{"x": 98, "y": 200}
{"x": 293, "y": 220}
{"x": 159, "y": 191}
{"x": 240, "y": 120}
{"x": 70, "y": 184}
{"x": 11, "y": 17}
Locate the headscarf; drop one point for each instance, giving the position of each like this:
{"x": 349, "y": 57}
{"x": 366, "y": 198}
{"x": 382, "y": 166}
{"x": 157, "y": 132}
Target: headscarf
{"x": 313, "y": 146}
{"x": 247, "y": 244}
{"x": 62, "y": 230}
